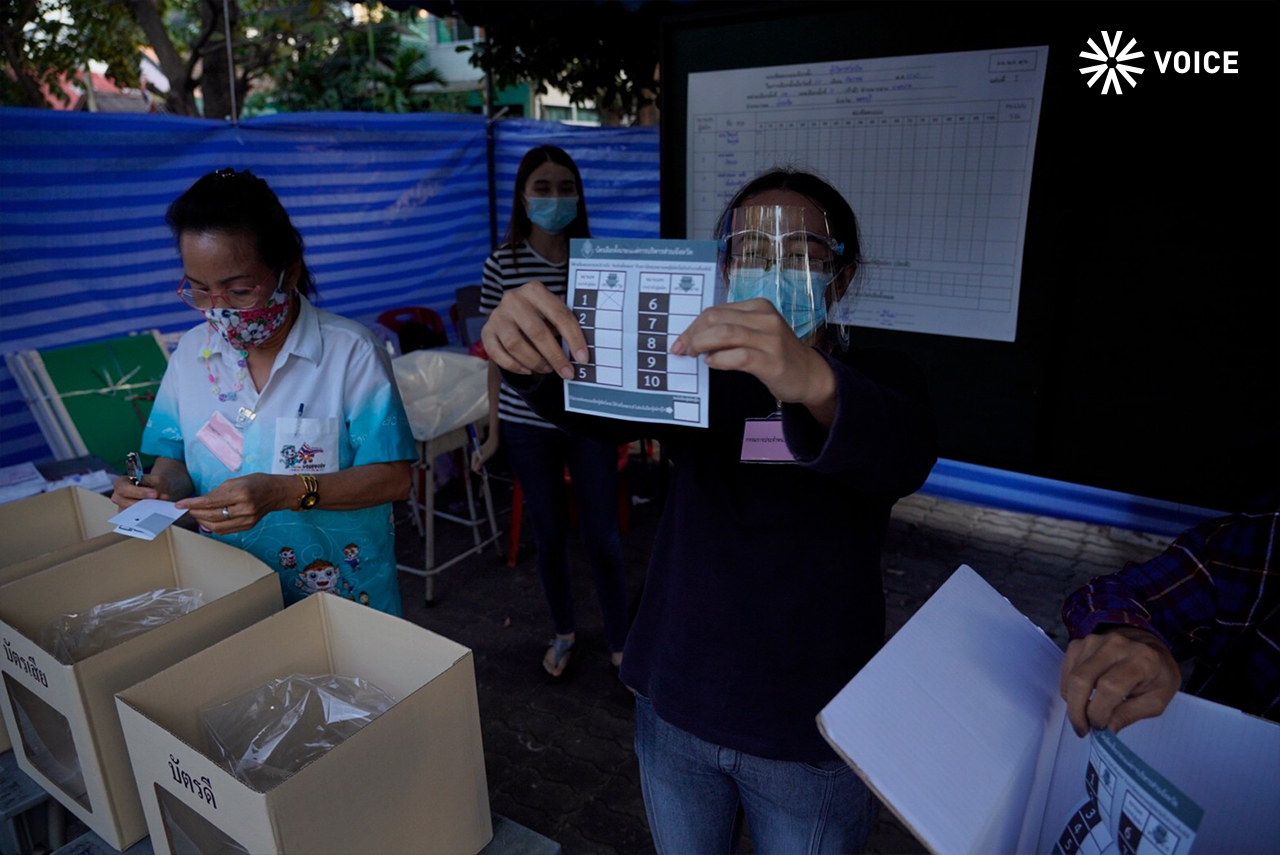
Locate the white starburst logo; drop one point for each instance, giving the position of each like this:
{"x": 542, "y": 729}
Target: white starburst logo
{"x": 1111, "y": 64}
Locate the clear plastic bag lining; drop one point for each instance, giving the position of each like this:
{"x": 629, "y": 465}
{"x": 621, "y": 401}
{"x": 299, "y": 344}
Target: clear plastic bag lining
{"x": 47, "y": 741}
{"x": 441, "y": 390}
{"x": 191, "y": 834}
{"x": 267, "y": 734}
{"x": 74, "y": 637}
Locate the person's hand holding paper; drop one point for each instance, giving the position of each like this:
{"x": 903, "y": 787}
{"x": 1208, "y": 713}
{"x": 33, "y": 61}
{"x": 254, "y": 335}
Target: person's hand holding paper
{"x": 520, "y": 335}
{"x": 1112, "y": 679}
{"x": 752, "y": 337}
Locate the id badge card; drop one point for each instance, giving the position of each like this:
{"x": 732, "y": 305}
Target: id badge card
{"x": 305, "y": 446}
{"x": 763, "y": 442}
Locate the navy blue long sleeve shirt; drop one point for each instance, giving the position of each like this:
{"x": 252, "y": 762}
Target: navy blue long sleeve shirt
{"x": 764, "y": 595}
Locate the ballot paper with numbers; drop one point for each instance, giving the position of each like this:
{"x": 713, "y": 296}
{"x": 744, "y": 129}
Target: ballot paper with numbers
{"x": 632, "y": 298}
{"x": 146, "y": 519}
{"x": 958, "y": 727}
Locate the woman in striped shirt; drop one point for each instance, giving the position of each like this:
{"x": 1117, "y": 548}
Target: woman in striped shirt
{"x": 548, "y": 210}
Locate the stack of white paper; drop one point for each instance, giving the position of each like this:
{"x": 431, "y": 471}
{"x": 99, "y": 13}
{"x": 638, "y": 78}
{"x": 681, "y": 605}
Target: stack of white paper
{"x": 20, "y": 481}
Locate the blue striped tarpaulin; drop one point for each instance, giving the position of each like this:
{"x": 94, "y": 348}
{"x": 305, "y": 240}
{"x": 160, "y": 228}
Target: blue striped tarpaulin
{"x": 619, "y": 169}
{"x": 394, "y": 209}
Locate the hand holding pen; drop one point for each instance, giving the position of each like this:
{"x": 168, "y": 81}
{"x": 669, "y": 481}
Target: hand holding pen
{"x": 133, "y": 468}
{"x": 168, "y": 481}
{"x": 129, "y": 487}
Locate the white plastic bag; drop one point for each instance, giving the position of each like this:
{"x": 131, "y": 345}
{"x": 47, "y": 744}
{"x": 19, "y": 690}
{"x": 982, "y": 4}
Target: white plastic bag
{"x": 78, "y": 635}
{"x": 442, "y": 390}
{"x": 269, "y": 733}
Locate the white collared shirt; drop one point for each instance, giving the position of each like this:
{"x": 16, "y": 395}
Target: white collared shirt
{"x": 330, "y": 403}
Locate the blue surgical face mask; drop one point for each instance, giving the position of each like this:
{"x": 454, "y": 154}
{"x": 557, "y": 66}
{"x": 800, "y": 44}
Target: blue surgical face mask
{"x": 798, "y": 296}
{"x": 552, "y": 213}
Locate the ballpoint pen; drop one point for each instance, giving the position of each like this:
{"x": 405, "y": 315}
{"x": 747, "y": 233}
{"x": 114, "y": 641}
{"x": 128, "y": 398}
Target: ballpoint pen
{"x": 133, "y": 467}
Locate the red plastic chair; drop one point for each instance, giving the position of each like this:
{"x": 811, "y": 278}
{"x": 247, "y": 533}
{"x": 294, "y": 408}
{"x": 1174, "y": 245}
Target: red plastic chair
{"x": 517, "y": 504}
{"x": 420, "y": 316}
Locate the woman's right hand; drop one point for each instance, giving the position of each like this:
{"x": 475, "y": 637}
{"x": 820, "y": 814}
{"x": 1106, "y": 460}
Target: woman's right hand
{"x": 125, "y": 492}
{"x": 168, "y": 480}
{"x": 520, "y": 335}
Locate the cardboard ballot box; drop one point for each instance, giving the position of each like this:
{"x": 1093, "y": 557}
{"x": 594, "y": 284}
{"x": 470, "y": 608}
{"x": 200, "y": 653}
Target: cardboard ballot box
{"x": 48, "y": 529}
{"x": 51, "y": 523}
{"x": 957, "y": 725}
{"x": 70, "y": 741}
{"x": 412, "y": 780}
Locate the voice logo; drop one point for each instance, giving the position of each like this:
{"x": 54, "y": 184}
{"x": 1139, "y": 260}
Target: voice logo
{"x": 1110, "y": 66}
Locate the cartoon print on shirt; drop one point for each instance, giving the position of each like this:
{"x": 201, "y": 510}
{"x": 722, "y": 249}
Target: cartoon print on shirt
{"x": 302, "y": 458}
{"x": 288, "y": 558}
{"x": 351, "y": 553}
{"x": 321, "y": 575}
{"x": 363, "y": 598}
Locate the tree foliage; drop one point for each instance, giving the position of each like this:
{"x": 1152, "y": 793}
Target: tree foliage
{"x": 601, "y": 51}
{"x": 341, "y": 66}
{"x": 46, "y": 41}
{"x": 307, "y": 55}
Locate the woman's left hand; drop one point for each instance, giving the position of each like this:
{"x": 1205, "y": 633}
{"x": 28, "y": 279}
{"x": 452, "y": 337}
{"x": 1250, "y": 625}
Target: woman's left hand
{"x": 751, "y": 336}
{"x": 237, "y": 504}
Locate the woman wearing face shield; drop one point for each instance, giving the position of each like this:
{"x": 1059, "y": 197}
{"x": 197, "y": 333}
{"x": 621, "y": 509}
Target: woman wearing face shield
{"x": 763, "y": 595}
{"x": 548, "y": 210}
{"x": 277, "y": 425}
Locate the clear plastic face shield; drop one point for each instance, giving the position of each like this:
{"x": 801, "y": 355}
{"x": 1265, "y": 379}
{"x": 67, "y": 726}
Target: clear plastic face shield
{"x": 779, "y": 253}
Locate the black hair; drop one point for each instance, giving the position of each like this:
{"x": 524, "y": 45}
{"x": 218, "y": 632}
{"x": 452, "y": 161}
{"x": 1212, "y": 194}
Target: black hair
{"x": 842, "y": 222}
{"x": 242, "y": 203}
{"x": 519, "y": 228}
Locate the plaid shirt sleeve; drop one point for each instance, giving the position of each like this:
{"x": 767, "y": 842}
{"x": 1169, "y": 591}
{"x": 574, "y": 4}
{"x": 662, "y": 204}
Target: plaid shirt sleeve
{"x": 1214, "y": 579}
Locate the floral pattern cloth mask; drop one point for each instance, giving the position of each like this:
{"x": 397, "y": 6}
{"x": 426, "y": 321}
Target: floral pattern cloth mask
{"x": 246, "y": 328}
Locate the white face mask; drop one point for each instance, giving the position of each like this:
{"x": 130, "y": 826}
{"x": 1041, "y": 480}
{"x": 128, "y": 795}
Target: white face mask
{"x": 246, "y": 328}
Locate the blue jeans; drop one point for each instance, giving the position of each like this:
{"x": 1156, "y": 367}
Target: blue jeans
{"x": 693, "y": 789}
{"x": 538, "y": 457}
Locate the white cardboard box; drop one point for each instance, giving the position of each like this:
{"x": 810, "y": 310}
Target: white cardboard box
{"x": 42, "y": 524}
{"x": 73, "y": 706}
{"x": 412, "y": 780}
{"x": 48, "y": 529}
{"x": 958, "y": 727}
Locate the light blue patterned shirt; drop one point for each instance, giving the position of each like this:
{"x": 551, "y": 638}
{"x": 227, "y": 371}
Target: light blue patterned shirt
{"x": 330, "y": 403}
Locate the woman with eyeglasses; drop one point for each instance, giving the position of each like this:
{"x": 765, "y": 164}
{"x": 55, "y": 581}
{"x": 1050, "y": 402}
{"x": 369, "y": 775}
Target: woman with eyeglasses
{"x": 277, "y": 426}
{"x": 764, "y": 595}
{"x": 548, "y": 210}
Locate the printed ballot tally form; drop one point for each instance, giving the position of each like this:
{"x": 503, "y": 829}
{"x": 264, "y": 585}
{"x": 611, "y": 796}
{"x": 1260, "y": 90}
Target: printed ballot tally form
{"x": 632, "y": 298}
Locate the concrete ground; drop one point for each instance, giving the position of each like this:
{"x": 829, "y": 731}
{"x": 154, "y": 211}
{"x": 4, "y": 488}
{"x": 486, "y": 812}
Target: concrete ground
{"x": 559, "y": 757}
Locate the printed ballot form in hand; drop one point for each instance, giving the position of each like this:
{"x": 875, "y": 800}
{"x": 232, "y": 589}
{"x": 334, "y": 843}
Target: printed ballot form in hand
{"x": 632, "y": 298}
{"x": 958, "y": 727}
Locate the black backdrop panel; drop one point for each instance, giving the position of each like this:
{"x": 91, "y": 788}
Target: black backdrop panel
{"x": 1146, "y": 354}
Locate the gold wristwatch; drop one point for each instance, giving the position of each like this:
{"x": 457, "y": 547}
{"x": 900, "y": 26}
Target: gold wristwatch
{"x": 311, "y": 493}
